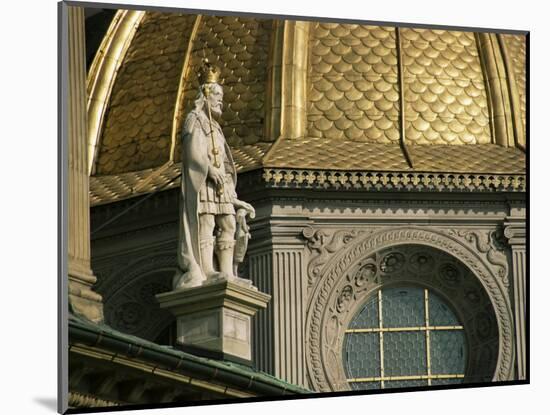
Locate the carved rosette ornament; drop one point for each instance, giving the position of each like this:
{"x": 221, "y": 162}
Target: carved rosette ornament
{"x": 449, "y": 266}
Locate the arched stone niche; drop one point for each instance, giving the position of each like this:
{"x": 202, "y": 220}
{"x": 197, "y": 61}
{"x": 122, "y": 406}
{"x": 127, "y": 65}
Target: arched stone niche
{"x": 129, "y": 296}
{"x": 450, "y": 267}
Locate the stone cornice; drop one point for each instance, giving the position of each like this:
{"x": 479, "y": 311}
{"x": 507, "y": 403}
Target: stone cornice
{"x": 109, "y": 189}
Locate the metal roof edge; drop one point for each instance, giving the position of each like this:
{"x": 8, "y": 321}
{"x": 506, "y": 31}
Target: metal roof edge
{"x": 101, "y": 335}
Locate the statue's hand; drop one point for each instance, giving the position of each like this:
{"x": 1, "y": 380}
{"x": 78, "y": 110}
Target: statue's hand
{"x": 239, "y": 204}
{"x": 216, "y": 175}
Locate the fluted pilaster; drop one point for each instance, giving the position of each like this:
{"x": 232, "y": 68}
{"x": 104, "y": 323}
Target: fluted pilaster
{"x": 279, "y": 340}
{"x": 515, "y": 232}
{"x": 81, "y": 296}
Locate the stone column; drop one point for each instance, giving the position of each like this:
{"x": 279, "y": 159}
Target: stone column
{"x": 278, "y": 269}
{"x": 514, "y": 230}
{"x": 82, "y": 298}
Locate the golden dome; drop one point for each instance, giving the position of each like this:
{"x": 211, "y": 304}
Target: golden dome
{"x": 304, "y": 95}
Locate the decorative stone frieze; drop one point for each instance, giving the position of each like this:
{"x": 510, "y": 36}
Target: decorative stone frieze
{"x": 383, "y": 181}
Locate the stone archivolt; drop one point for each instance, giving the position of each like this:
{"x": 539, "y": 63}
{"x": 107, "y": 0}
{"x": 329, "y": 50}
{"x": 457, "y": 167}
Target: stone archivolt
{"x": 349, "y": 276}
{"x": 129, "y": 286}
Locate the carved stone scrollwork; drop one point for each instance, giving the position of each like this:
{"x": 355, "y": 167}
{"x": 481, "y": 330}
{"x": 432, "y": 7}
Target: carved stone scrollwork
{"x": 452, "y": 267}
{"x": 491, "y": 243}
{"x": 367, "y": 274}
{"x": 322, "y": 245}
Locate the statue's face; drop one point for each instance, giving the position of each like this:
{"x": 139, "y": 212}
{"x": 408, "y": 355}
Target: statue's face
{"x": 215, "y": 99}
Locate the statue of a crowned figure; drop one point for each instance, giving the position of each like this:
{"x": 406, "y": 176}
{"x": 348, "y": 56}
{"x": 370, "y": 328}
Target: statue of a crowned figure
{"x": 213, "y": 234}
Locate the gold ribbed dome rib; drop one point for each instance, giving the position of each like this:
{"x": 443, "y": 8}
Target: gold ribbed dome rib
{"x": 138, "y": 121}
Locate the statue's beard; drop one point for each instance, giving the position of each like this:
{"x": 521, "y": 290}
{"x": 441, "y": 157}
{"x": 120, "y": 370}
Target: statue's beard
{"x": 216, "y": 110}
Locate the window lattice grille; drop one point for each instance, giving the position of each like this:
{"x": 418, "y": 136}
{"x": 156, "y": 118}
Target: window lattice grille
{"x": 404, "y": 337}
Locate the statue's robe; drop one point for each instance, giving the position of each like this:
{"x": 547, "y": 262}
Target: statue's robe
{"x": 195, "y": 162}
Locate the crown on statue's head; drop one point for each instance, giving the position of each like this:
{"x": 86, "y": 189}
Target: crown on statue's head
{"x": 208, "y": 73}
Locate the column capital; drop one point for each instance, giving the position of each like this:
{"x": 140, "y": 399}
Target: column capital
{"x": 276, "y": 234}
{"x": 515, "y": 231}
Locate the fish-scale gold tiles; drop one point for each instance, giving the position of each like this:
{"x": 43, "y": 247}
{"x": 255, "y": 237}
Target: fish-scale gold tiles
{"x": 481, "y": 158}
{"x": 138, "y": 121}
{"x": 444, "y": 90}
{"x": 353, "y": 91}
{"x": 111, "y": 188}
{"x": 318, "y": 153}
{"x": 353, "y": 101}
{"x": 249, "y": 156}
{"x": 239, "y": 47}
{"x": 115, "y": 187}
{"x": 322, "y": 153}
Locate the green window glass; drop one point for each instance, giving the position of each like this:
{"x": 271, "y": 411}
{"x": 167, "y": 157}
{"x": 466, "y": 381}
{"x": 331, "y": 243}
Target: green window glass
{"x": 403, "y": 337}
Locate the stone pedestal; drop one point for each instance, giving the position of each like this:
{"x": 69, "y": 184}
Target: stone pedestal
{"x": 216, "y": 316}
